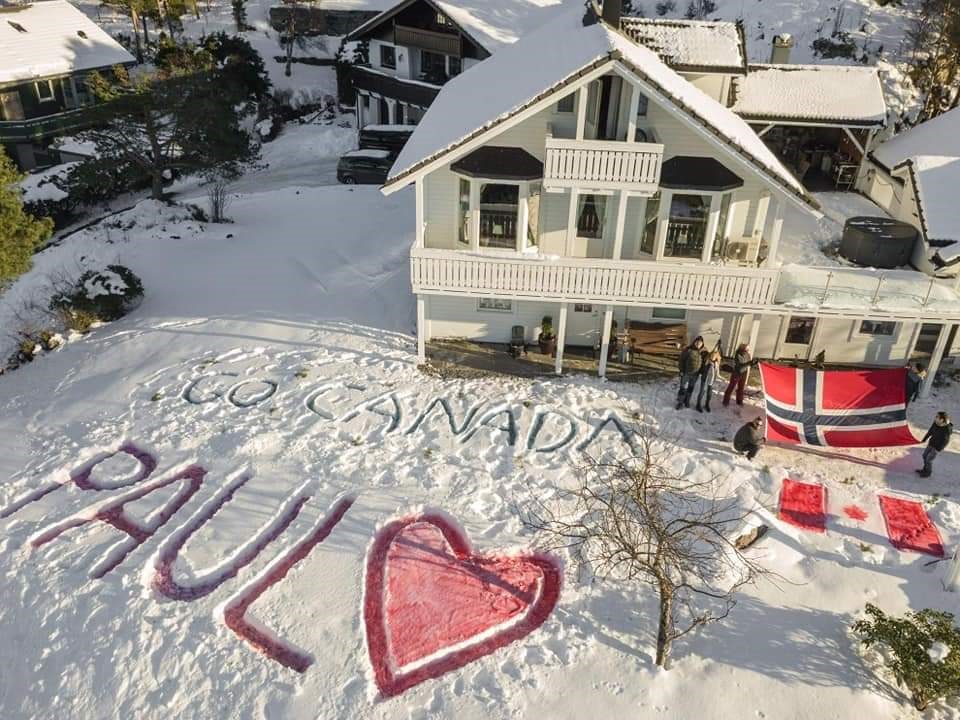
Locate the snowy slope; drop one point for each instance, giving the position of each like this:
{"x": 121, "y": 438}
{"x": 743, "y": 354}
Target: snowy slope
{"x": 307, "y": 292}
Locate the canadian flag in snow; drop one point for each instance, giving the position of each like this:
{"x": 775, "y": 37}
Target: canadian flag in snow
{"x": 837, "y": 408}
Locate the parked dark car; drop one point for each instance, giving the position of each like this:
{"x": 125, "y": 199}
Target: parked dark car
{"x": 385, "y": 137}
{"x": 364, "y": 167}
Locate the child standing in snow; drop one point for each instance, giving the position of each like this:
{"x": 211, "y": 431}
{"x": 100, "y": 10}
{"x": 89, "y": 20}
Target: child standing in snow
{"x": 938, "y": 436}
{"x": 915, "y": 377}
{"x": 708, "y": 373}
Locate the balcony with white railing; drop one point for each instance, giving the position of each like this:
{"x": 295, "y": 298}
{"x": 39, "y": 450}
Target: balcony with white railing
{"x": 602, "y": 165}
{"x": 791, "y": 290}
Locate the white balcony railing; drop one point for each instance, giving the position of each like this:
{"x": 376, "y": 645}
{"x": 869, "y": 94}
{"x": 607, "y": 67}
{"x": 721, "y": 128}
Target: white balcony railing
{"x": 452, "y": 272}
{"x": 602, "y": 165}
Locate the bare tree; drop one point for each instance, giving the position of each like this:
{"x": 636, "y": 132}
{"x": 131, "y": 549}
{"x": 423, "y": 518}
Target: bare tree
{"x": 218, "y": 193}
{"x": 636, "y": 519}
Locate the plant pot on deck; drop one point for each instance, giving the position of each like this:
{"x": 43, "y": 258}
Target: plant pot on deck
{"x": 548, "y": 344}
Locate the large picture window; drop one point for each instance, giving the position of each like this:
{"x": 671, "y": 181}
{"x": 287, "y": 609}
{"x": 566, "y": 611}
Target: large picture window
{"x": 498, "y": 215}
{"x": 650, "y": 215}
{"x": 590, "y": 215}
{"x": 800, "y": 330}
{"x": 687, "y": 227}
{"x": 463, "y": 212}
{"x": 433, "y": 67}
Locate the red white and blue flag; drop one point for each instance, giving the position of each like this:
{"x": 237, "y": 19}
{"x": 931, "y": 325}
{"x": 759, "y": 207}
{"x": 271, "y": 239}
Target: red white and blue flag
{"x": 836, "y": 408}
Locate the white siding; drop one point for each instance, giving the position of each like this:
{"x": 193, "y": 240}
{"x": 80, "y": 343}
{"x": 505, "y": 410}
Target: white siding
{"x": 715, "y": 85}
{"x": 441, "y": 209}
{"x": 840, "y": 339}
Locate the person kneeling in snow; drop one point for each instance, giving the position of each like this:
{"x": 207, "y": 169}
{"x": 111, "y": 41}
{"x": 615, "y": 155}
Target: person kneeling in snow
{"x": 938, "y": 435}
{"x": 749, "y": 438}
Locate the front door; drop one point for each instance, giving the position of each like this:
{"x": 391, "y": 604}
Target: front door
{"x": 10, "y": 106}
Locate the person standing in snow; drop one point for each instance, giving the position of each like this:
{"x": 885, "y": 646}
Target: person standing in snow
{"x": 749, "y": 438}
{"x": 938, "y": 436}
{"x": 690, "y": 364}
{"x": 915, "y": 377}
{"x": 738, "y": 378}
{"x": 708, "y": 373}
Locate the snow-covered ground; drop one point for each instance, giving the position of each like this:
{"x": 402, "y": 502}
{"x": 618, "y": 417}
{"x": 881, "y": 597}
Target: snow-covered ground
{"x": 280, "y": 346}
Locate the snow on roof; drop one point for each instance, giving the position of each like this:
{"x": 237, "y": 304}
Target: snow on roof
{"x": 493, "y": 24}
{"x": 939, "y": 136}
{"x": 359, "y": 5}
{"x": 52, "y": 38}
{"x": 690, "y": 44}
{"x": 936, "y": 179}
{"x": 547, "y": 60}
{"x": 836, "y": 93}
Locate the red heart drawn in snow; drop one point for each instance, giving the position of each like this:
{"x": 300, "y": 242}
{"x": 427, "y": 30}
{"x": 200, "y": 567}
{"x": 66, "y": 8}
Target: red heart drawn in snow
{"x": 432, "y": 605}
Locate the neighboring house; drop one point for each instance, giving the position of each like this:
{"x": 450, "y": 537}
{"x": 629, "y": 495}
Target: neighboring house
{"x": 915, "y": 176}
{"x": 417, "y": 45}
{"x": 46, "y": 51}
{"x": 575, "y": 175}
{"x": 334, "y": 18}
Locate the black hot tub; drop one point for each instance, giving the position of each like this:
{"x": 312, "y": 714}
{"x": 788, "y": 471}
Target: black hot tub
{"x": 877, "y": 242}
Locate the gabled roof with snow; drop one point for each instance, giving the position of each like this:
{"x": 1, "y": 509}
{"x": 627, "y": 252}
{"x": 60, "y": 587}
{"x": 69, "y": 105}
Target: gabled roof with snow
{"x": 53, "y": 38}
{"x": 939, "y": 136}
{"x": 935, "y": 180}
{"x": 829, "y": 94}
{"x": 542, "y": 65}
{"x": 691, "y": 45}
{"x": 491, "y": 24}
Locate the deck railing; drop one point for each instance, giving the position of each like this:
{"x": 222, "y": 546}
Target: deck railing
{"x": 602, "y": 164}
{"x": 590, "y": 280}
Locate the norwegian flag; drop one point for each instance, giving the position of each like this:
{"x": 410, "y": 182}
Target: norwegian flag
{"x": 836, "y": 408}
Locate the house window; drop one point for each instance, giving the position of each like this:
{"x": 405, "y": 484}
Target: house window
{"x": 499, "y": 204}
{"x": 687, "y": 226}
{"x": 650, "y": 215}
{"x": 878, "y": 328}
{"x": 433, "y": 67}
{"x": 720, "y": 238}
{"x": 454, "y": 66}
{"x": 494, "y": 305}
{"x": 463, "y": 211}
{"x": 664, "y": 313}
{"x": 388, "y": 57}
{"x": 590, "y": 216}
{"x": 44, "y": 90}
{"x": 800, "y": 330}
{"x": 566, "y": 104}
{"x": 642, "y": 105}
{"x": 442, "y": 19}
{"x": 583, "y": 307}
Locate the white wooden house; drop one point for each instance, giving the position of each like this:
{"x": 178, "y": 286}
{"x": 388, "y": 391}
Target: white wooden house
{"x": 576, "y": 175}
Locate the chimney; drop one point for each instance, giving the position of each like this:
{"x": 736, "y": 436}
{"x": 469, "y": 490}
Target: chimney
{"x": 611, "y": 13}
{"x": 780, "y": 52}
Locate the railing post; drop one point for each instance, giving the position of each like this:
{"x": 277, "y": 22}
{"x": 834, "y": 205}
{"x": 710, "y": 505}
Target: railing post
{"x": 876, "y": 295}
{"x": 826, "y": 288}
{"x": 926, "y": 299}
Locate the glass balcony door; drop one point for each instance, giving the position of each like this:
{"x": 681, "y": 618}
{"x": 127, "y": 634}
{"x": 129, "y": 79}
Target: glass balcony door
{"x": 499, "y": 208}
{"x": 687, "y": 226}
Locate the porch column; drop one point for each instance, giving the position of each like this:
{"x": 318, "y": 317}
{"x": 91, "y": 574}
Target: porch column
{"x": 523, "y": 221}
{"x": 775, "y": 231}
{"x": 622, "y": 200}
{"x": 581, "y": 111}
{"x": 571, "y": 222}
{"x": 632, "y": 117}
{"x": 713, "y": 219}
{"x": 420, "y": 212}
{"x": 663, "y": 224}
{"x": 605, "y": 340}
{"x": 561, "y": 338}
{"x": 391, "y": 111}
{"x": 754, "y": 332}
{"x": 912, "y": 343}
{"x": 935, "y": 359}
{"x": 475, "y": 215}
{"x": 759, "y": 222}
{"x": 421, "y": 330}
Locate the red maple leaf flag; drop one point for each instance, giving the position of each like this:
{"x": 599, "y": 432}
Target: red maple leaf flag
{"x": 836, "y": 408}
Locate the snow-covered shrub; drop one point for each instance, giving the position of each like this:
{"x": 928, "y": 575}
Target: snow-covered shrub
{"x": 922, "y": 650}
{"x": 106, "y": 294}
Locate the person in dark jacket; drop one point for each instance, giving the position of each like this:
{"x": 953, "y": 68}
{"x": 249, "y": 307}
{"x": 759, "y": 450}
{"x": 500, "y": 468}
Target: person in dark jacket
{"x": 938, "y": 436}
{"x": 690, "y": 364}
{"x": 749, "y": 438}
{"x": 738, "y": 378}
{"x": 915, "y": 377}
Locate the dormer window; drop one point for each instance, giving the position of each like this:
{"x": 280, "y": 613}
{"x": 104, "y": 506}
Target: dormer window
{"x": 16, "y": 26}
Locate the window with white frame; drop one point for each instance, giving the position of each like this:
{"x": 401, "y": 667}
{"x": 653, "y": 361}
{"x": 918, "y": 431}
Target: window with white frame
{"x": 463, "y": 212}
{"x": 687, "y": 225}
{"x": 499, "y": 206}
{"x": 665, "y": 313}
{"x": 878, "y": 328}
{"x": 494, "y": 305}
{"x": 44, "y": 90}
{"x": 567, "y": 104}
{"x": 583, "y": 307}
{"x": 800, "y": 330}
{"x": 590, "y": 215}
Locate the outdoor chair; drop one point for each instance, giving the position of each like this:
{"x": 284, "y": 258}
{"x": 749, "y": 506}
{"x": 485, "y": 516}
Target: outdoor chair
{"x": 518, "y": 346}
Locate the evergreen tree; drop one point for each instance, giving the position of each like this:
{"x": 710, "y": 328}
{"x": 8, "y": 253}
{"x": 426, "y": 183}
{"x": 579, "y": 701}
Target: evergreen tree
{"x": 935, "y": 36}
{"x": 20, "y": 233}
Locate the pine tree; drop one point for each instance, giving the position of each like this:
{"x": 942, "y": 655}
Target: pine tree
{"x": 935, "y": 36}
{"x": 20, "y": 233}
